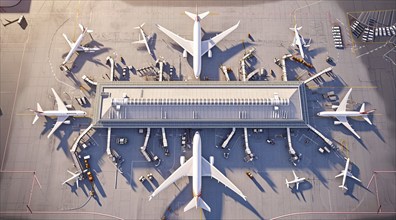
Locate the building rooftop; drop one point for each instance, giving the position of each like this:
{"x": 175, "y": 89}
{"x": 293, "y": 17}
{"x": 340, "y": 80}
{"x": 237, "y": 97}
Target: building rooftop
{"x": 201, "y": 104}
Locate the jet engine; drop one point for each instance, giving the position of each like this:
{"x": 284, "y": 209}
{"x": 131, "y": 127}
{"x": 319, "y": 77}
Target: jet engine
{"x": 69, "y": 106}
{"x": 182, "y": 160}
{"x": 184, "y": 53}
{"x": 337, "y": 122}
{"x": 211, "y": 160}
{"x": 210, "y": 53}
{"x": 334, "y": 106}
{"x": 67, "y": 122}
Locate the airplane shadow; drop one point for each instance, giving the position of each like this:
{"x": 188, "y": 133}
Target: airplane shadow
{"x": 265, "y": 176}
{"x": 179, "y": 201}
{"x": 80, "y": 59}
{"x": 219, "y": 57}
{"x": 258, "y": 185}
{"x": 303, "y": 186}
{"x": 151, "y": 43}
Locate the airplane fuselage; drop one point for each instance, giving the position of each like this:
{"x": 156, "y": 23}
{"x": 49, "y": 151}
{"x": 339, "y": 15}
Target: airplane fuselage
{"x": 299, "y": 43}
{"x": 197, "y": 173}
{"x": 69, "y": 113}
{"x": 341, "y": 114}
{"x": 75, "y": 47}
{"x": 145, "y": 40}
{"x": 197, "y": 59}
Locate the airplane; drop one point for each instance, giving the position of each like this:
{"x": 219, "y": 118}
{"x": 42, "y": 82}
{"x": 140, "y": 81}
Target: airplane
{"x": 75, "y": 175}
{"x": 341, "y": 114}
{"x": 296, "y": 180}
{"x": 145, "y": 39}
{"x": 345, "y": 173}
{"x": 197, "y": 47}
{"x": 76, "y": 46}
{"x": 197, "y": 167}
{"x": 62, "y": 113}
{"x": 299, "y": 40}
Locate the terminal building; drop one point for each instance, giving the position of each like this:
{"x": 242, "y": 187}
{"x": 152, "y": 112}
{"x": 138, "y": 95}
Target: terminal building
{"x": 201, "y": 105}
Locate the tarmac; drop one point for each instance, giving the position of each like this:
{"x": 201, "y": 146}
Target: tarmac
{"x": 34, "y": 167}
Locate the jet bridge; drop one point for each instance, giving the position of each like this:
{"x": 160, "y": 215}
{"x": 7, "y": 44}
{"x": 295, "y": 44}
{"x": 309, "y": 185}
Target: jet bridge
{"x": 327, "y": 70}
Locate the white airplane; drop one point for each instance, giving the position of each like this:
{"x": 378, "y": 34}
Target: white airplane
{"x": 145, "y": 39}
{"x": 297, "y": 180}
{"x": 75, "y": 175}
{"x": 197, "y": 47}
{"x": 341, "y": 114}
{"x": 62, "y": 113}
{"x": 345, "y": 173}
{"x": 197, "y": 167}
{"x": 76, "y": 46}
{"x": 299, "y": 40}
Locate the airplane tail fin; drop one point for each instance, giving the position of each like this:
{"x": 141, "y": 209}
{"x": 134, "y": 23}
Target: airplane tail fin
{"x": 365, "y": 117}
{"x": 38, "y": 111}
{"x": 197, "y": 202}
{"x": 193, "y": 16}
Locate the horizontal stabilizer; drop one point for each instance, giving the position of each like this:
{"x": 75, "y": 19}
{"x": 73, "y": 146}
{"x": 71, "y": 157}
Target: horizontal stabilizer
{"x": 140, "y": 26}
{"x": 39, "y": 109}
{"x": 139, "y": 42}
{"x": 343, "y": 187}
{"x": 362, "y": 108}
{"x": 367, "y": 119}
{"x": 83, "y": 28}
{"x": 295, "y": 28}
{"x": 197, "y": 202}
{"x": 193, "y": 16}
{"x": 36, "y": 117}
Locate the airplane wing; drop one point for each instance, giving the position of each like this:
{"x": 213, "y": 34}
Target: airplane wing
{"x": 344, "y": 122}
{"x": 183, "y": 170}
{"x": 59, "y": 102}
{"x": 349, "y": 174}
{"x": 74, "y": 175}
{"x": 208, "y": 44}
{"x": 58, "y": 123}
{"x": 68, "y": 41}
{"x": 302, "y": 40}
{"x": 209, "y": 170}
{"x": 185, "y": 44}
{"x": 294, "y": 41}
{"x": 342, "y": 173}
{"x": 343, "y": 103}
